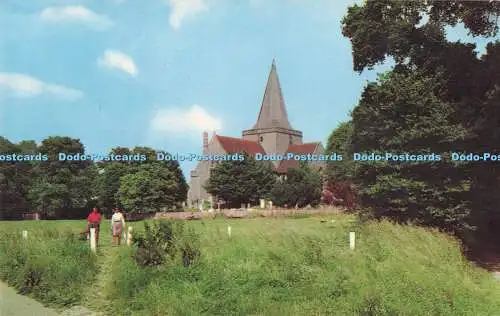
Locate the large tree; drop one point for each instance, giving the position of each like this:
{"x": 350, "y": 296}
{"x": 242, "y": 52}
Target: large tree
{"x": 61, "y": 186}
{"x": 241, "y": 182}
{"x": 149, "y": 189}
{"x": 439, "y": 97}
{"x": 135, "y": 186}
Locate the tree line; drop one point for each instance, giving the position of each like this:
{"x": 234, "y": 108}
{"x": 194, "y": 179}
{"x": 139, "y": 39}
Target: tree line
{"x": 67, "y": 189}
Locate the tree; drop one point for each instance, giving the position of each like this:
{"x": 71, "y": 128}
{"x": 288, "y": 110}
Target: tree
{"x": 107, "y": 181}
{"x": 438, "y": 98}
{"x": 241, "y": 182}
{"x": 339, "y": 188}
{"x": 149, "y": 189}
{"x": 111, "y": 173}
{"x": 61, "y": 186}
{"x": 400, "y": 114}
{"x": 27, "y": 146}
{"x": 300, "y": 186}
{"x": 339, "y": 142}
{"x": 15, "y": 179}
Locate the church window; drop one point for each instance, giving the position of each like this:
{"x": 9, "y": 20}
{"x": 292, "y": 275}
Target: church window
{"x": 261, "y": 139}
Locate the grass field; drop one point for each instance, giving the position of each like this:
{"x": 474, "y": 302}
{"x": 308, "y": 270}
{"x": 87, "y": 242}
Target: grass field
{"x": 285, "y": 266}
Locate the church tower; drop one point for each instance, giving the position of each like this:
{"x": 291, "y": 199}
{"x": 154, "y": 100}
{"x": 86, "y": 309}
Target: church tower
{"x": 272, "y": 129}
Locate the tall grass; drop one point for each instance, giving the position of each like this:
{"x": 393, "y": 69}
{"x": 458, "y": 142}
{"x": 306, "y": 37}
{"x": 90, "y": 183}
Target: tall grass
{"x": 305, "y": 267}
{"x": 52, "y": 265}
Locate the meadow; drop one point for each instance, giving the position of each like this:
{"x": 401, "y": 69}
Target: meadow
{"x": 282, "y": 266}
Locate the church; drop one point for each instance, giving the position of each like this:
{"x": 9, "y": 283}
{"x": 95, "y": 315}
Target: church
{"x": 271, "y": 134}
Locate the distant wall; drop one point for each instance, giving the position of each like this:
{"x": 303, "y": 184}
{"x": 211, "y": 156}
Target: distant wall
{"x": 237, "y": 213}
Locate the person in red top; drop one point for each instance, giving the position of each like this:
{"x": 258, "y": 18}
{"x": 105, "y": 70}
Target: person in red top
{"x": 94, "y": 221}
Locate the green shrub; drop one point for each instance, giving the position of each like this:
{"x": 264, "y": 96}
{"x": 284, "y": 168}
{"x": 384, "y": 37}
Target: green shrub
{"x": 166, "y": 241}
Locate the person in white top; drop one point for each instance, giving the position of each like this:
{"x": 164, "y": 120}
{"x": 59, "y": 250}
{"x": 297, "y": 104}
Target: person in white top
{"x": 117, "y": 225}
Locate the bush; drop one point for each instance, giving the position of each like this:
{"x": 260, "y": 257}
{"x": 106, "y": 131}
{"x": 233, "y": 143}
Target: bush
{"x": 166, "y": 241}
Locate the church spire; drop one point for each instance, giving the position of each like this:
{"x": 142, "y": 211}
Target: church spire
{"x": 273, "y": 111}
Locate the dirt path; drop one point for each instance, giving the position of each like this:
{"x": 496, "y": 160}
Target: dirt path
{"x": 95, "y": 298}
{"x": 13, "y": 304}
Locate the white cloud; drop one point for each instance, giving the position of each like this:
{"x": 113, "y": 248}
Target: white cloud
{"x": 21, "y": 85}
{"x": 118, "y": 60}
{"x": 81, "y": 14}
{"x": 193, "y": 120}
{"x": 183, "y": 9}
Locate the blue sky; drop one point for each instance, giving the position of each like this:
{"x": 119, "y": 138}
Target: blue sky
{"x": 159, "y": 72}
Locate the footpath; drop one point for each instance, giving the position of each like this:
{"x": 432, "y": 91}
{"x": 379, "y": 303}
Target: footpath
{"x": 95, "y": 297}
{"x": 13, "y": 304}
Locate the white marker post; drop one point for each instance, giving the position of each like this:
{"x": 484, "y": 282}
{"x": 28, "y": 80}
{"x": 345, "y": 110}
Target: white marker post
{"x": 25, "y": 234}
{"x": 129, "y": 236}
{"x": 352, "y": 240}
{"x": 93, "y": 244}
{"x": 229, "y": 231}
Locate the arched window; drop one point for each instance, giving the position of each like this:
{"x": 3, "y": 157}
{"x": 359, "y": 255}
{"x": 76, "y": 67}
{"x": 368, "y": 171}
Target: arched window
{"x": 261, "y": 139}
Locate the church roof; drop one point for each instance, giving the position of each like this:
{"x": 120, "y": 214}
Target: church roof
{"x": 237, "y": 145}
{"x": 273, "y": 111}
{"x": 300, "y": 149}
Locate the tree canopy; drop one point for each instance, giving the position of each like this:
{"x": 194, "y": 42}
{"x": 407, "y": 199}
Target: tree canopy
{"x": 68, "y": 188}
{"x": 440, "y": 97}
{"x": 241, "y": 182}
{"x": 298, "y": 187}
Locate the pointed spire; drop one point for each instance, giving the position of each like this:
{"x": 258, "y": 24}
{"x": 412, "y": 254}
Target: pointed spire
{"x": 273, "y": 111}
